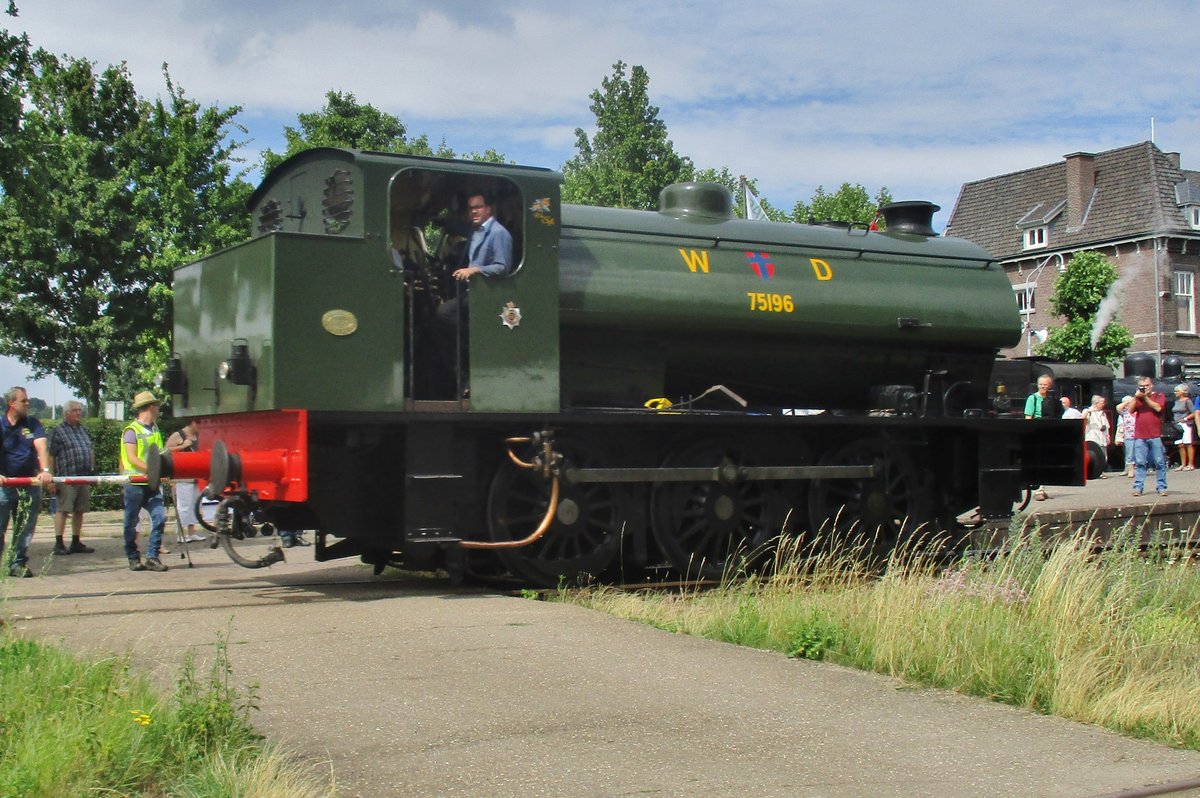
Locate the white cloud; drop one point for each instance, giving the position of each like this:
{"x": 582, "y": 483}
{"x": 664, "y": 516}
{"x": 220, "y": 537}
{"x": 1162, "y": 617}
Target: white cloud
{"x": 916, "y": 97}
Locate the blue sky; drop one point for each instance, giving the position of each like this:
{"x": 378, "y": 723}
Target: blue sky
{"x": 918, "y": 97}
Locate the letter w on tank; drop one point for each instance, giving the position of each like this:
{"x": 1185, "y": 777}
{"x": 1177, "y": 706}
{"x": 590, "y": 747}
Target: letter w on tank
{"x": 695, "y": 260}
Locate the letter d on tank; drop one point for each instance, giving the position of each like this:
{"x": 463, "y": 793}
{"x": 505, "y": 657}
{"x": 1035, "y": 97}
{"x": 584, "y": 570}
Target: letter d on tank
{"x": 821, "y": 269}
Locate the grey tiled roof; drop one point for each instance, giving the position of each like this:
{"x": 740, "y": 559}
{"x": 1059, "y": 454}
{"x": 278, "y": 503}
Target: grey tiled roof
{"x": 1188, "y": 192}
{"x": 1135, "y": 196}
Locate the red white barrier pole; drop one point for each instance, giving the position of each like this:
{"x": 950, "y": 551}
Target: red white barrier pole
{"x": 98, "y": 479}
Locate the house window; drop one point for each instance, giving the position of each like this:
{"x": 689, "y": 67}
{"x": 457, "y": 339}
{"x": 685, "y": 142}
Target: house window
{"x": 1035, "y": 237}
{"x": 1185, "y": 302}
{"x": 1026, "y": 296}
{"x": 1193, "y": 214}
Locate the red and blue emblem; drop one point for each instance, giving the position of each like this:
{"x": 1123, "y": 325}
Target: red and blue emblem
{"x": 761, "y": 263}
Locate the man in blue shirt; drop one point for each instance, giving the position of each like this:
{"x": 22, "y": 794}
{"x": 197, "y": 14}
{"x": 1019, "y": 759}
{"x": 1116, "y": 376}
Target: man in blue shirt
{"x": 489, "y": 253}
{"x": 24, "y": 454}
{"x": 490, "y": 250}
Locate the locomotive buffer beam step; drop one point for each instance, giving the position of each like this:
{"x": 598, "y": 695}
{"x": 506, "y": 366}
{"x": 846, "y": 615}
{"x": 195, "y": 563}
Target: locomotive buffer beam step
{"x": 726, "y": 472}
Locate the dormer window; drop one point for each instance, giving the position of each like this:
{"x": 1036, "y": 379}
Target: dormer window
{"x": 1187, "y": 197}
{"x": 1035, "y": 224}
{"x": 1035, "y": 238}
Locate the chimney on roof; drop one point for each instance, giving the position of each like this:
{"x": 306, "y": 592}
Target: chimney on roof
{"x": 1081, "y": 181}
{"x": 1173, "y": 158}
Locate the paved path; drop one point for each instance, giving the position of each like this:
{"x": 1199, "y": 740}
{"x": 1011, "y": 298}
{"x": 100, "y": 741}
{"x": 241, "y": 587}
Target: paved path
{"x": 410, "y": 687}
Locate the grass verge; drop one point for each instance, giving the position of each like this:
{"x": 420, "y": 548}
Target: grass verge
{"x": 71, "y": 726}
{"x": 1111, "y": 639}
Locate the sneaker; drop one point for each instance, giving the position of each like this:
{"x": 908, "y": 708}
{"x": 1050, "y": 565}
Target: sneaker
{"x": 79, "y": 547}
{"x": 286, "y": 543}
{"x": 59, "y": 548}
{"x": 20, "y": 572}
{"x": 135, "y": 564}
{"x": 300, "y": 541}
{"x": 195, "y": 539}
{"x": 154, "y": 564}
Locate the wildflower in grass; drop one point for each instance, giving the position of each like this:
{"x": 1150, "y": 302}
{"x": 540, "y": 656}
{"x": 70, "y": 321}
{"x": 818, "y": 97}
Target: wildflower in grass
{"x": 140, "y": 717}
{"x": 959, "y": 582}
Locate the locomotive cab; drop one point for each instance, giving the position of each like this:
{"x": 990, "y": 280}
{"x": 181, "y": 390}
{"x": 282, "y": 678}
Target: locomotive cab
{"x": 352, "y": 253}
{"x": 430, "y": 237}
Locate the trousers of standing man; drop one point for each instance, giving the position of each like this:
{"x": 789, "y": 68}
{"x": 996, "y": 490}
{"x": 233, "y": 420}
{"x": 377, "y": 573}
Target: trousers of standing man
{"x": 1145, "y": 451}
{"x": 138, "y": 497}
{"x": 19, "y": 505}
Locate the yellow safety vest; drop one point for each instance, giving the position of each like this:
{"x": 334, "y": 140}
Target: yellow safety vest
{"x": 144, "y": 439}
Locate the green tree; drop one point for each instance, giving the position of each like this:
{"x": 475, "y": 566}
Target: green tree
{"x": 14, "y": 71}
{"x": 106, "y": 194}
{"x": 630, "y": 160}
{"x": 1085, "y": 296}
{"x": 345, "y": 122}
{"x": 850, "y": 203}
{"x": 726, "y": 178}
{"x": 193, "y": 202}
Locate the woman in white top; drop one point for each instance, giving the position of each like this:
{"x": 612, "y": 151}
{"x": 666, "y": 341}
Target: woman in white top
{"x": 1096, "y": 426}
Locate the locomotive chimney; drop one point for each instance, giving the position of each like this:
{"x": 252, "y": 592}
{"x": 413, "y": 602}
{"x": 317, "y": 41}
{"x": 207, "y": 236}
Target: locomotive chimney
{"x": 911, "y": 216}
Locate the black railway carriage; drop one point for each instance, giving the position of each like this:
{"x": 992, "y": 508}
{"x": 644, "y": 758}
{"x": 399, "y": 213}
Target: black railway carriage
{"x": 816, "y": 374}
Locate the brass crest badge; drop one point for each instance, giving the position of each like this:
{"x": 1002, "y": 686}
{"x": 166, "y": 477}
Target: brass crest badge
{"x": 510, "y": 316}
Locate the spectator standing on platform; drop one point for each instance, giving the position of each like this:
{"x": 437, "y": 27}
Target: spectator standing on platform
{"x": 136, "y": 439}
{"x": 1124, "y": 432}
{"x": 292, "y": 537}
{"x": 1184, "y": 414}
{"x": 23, "y": 453}
{"x": 186, "y": 440}
{"x": 1096, "y": 426}
{"x": 72, "y": 455}
{"x": 1147, "y": 436}
{"x": 1038, "y": 406}
{"x": 1067, "y": 410}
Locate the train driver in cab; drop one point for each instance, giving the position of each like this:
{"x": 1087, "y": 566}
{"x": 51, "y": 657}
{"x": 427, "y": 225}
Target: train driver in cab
{"x": 490, "y": 253}
{"x": 490, "y": 250}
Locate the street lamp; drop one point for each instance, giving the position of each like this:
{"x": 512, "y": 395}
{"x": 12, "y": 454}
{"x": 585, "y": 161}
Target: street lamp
{"x": 1031, "y": 333}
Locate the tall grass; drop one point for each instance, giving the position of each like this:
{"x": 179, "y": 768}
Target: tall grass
{"x": 71, "y": 727}
{"x": 1110, "y": 637}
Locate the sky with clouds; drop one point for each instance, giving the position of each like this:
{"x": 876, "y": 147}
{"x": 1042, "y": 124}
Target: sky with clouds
{"x": 917, "y": 97}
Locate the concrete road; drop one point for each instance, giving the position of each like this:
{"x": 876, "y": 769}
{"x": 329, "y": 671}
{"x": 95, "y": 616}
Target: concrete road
{"x": 411, "y": 687}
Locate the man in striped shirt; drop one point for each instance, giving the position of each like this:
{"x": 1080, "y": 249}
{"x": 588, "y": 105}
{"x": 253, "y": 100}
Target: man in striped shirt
{"x": 73, "y": 456}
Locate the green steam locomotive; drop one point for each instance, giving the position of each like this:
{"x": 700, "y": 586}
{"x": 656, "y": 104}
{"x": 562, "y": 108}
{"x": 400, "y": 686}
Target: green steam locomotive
{"x": 676, "y": 386}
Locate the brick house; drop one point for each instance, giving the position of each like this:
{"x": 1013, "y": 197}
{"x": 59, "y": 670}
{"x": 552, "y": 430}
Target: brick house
{"x": 1133, "y": 204}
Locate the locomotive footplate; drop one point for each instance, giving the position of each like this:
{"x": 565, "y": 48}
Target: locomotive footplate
{"x": 726, "y": 472}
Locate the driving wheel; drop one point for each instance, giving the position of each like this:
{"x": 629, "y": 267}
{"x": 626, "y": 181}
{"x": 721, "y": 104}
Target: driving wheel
{"x": 584, "y": 536}
{"x": 706, "y": 529}
{"x": 874, "y": 510}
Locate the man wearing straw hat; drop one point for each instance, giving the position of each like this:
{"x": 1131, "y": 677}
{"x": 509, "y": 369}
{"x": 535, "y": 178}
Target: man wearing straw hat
{"x": 136, "y": 439}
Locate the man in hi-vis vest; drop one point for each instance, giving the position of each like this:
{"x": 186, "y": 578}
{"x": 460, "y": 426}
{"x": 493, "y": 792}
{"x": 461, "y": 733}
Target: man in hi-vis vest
{"x": 136, "y": 439}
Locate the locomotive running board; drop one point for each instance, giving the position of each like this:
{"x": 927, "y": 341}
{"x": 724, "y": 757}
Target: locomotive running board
{"x": 722, "y": 473}
{"x": 437, "y": 405}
